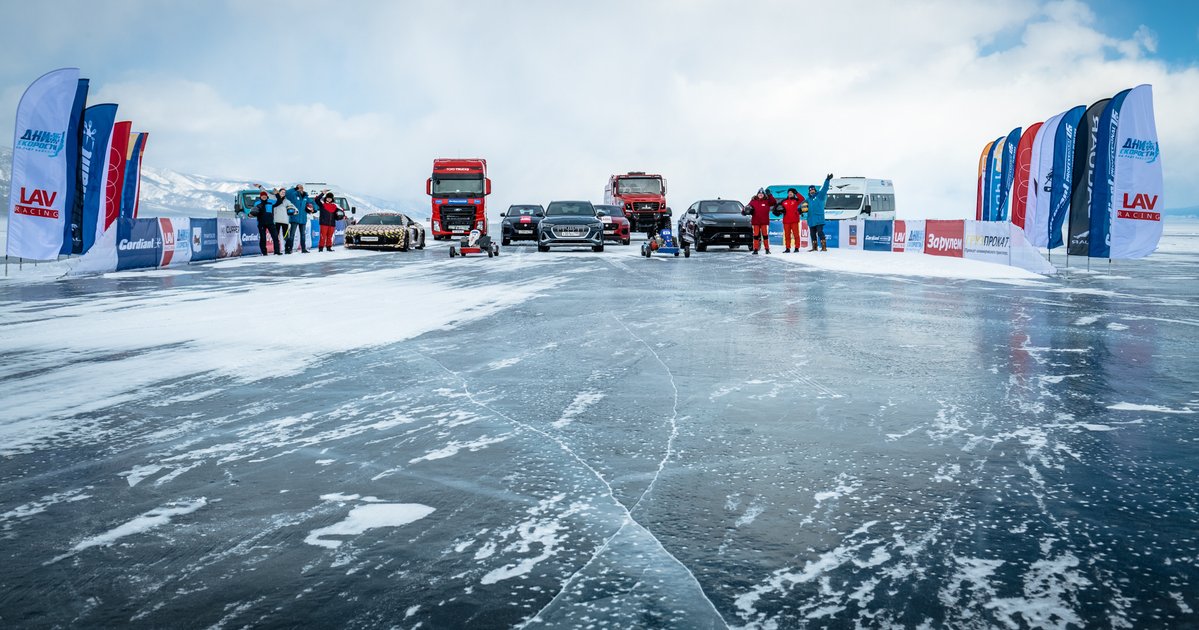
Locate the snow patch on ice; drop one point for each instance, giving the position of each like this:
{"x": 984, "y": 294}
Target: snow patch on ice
{"x": 1050, "y": 586}
{"x": 453, "y": 448}
{"x": 582, "y": 401}
{"x": 367, "y": 517}
{"x": 540, "y": 530}
{"x": 41, "y": 505}
{"x": 136, "y": 474}
{"x": 145, "y": 522}
{"x": 503, "y": 363}
{"x": 1116, "y": 326}
{"x": 1087, "y": 320}
{"x": 1125, "y": 406}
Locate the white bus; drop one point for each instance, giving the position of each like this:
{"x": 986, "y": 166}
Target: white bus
{"x": 860, "y": 198}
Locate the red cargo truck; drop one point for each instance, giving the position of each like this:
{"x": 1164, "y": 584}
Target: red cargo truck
{"x": 643, "y": 198}
{"x": 458, "y": 187}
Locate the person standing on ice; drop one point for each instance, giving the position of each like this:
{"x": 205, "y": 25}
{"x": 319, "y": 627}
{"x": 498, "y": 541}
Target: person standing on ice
{"x": 816, "y": 199}
{"x": 264, "y": 211}
{"x": 297, "y": 217}
{"x": 328, "y": 219}
{"x": 759, "y": 209}
{"x": 791, "y": 208}
{"x": 281, "y": 213}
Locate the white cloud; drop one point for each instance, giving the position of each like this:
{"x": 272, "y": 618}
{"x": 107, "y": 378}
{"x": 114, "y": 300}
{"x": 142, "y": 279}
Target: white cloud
{"x": 719, "y": 97}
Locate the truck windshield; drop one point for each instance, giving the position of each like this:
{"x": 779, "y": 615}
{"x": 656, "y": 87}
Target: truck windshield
{"x": 843, "y": 201}
{"x": 458, "y": 186}
{"x": 639, "y": 186}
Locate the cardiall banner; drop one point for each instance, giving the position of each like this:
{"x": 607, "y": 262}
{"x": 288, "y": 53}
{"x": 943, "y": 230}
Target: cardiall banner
{"x": 1136, "y": 220}
{"x": 37, "y": 204}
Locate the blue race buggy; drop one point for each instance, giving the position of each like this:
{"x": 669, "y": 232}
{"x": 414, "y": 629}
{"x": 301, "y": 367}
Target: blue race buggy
{"x": 664, "y": 243}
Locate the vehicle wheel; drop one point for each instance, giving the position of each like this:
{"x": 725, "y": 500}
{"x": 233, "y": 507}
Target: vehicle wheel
{"x": 497, "y": 249}
{"x": 686, "y": 252}
{"x": 676, "y": 253}
{"x": 598, "y": 248}
{"x": 543, "y": 248}
{"x": 422, "y": 242}
{"x": 490, "y": 253}
{"x": 453, "y": 252}
{"x": 731, "y": 247}
{"x": 700, "y": 246}
{"x": 626, "y": 241}
{"x": 505, "y": 241}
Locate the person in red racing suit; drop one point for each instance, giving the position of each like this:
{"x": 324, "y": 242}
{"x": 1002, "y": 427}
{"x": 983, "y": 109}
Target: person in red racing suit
{"x": 791, "y": 206}
{"x": 758, "y": 209}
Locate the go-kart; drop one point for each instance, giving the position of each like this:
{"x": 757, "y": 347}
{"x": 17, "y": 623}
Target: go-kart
{"x": 664, "y": 243}
{"x": 475, "y": 243}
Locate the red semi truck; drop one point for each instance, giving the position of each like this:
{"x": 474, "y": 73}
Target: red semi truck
{"x": 458, "y": 188}
{"x": 643, "y": 198}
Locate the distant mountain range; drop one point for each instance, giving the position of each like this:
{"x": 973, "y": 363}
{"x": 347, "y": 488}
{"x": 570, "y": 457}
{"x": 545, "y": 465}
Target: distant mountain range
{"x": 167, "y": 193}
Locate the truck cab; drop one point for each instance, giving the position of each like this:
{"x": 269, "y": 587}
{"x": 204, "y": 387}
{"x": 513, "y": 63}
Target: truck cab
{"x": 643, "y": 198}
{"x": 458, "y": 188}
{"x": 860, "y": 198}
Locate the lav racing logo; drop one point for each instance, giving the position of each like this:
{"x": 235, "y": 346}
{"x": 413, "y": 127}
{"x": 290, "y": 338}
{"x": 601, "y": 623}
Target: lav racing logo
{"x": 38, "y": 141}
{"x": 1136, "y": 149}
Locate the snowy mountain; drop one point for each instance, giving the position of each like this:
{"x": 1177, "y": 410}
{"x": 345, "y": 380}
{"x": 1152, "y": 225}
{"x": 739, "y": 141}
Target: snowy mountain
{"x": 167, "y": 193}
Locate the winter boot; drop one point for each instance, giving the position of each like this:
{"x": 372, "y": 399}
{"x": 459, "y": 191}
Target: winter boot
{"x": 823, "y": 245}
{"x": 787, "y": 251}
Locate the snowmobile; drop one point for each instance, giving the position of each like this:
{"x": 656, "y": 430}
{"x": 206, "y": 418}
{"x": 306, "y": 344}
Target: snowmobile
{"x": 664, "y": 242}
{"x": 475, "y": 243}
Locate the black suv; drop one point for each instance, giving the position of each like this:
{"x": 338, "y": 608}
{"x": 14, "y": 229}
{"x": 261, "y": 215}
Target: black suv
{"x": 520, "y": 223}
{"x": 715, "y": 222}
{"x": 570, "y": 224}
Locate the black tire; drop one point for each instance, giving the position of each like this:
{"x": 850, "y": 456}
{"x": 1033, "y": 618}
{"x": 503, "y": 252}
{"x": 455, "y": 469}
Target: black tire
{"x": 598, "y": 248}
{"x": 422, "y": 241}
{"x": 700, "y": 246}
{"x": 543, "y": 248}
{"x": 453, "y": 252}
{"x": 505, "y": 241}
{"x": 497, "y": 249}
{"x": 731, "y": 247}
{"x": 686, "y": 252}
{"x": 626, "y": 241}
{"x": 490, "y": 253}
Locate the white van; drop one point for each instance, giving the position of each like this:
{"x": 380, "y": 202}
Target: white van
{"x": 860, "y": 198}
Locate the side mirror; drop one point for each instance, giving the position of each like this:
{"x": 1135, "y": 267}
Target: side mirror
{"x": 669, "y": 212}
{"x": 600, "y": 213}
{"x": 663, "y": 185}
{"x": 487, "y": 186}
{"x": 539, "y": 213}
{"x": 429, "y": 186}
{"x": 866, "y": 210}
{"x": 353, "y": 210}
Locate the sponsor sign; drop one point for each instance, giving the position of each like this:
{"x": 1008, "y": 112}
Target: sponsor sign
{"x": 339, "y": 233}
{"x": 832, "y": 233}
{"x": 1136, "y": 225}
{"x": 204, "y": 245}
{"x": 176, "y": 242}
{"x": 93, "y": 167}
{"x": 944, "y": 238}
{"x": 1007, "y": 170}
{"x": 139, "y": 243}
{"x": 133, "y": 174}
{"x": 990, "y": 241}
{"x": 39, "y": 191}
{"x": 1021, "y": 187}
{"x": 116, "y": 172}
{"x": 1063, "y": 169}
{"x": 1079, "y": 221}
{"x": 851, "y": 234}
{"x": 1036, "y": 220}
{"x": 899, "y": 235}
{"x": 228, "y": 238}
{"x": 915, "y": 240}
{"x": 805, "y": 235}
{"x": 72, "y": 236}
{"x": 249, "y": 238}
{"x": 877, "y": 235}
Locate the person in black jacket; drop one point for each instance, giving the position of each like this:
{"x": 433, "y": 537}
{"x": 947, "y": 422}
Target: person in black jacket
{"x": 328, "y": 210}
{"x": 264, "y": 211}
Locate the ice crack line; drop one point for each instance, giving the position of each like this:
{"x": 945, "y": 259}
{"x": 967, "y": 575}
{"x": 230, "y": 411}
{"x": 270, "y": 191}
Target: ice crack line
{"x": 628, "y": 515}
{"x": 674, "y": 416}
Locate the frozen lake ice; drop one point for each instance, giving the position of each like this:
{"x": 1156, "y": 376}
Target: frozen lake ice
{"x": 577, "y": 439}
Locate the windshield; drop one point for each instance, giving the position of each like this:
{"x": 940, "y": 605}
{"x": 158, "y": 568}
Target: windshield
{"x": 248, "y": 199}
{"x": 612, "y": 211}
{"x": 458, "y": 185}
{"x": 639, "y": 185}
{"x": 720, "y": 207}
{"x": 521, "y": 211}
{"x": 382, "y": 219}
{"x": 843, "y": 201}
{"x": 570, "y": 209}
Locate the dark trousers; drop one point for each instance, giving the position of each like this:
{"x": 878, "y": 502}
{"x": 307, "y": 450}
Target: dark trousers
{"x": 291, "y": 235}
{"x": 263, "y": 231}
{"x": 817, "y": 234}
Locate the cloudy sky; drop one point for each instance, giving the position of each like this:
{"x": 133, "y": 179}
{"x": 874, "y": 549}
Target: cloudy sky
{"x": 720, "y": 96}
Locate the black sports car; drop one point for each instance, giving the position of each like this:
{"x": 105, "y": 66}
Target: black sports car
{"x": 570, "y": 224}
{"x": 520, "y": 223}
{"x": 715, "y": 222}
{"x": 386, "y": 229}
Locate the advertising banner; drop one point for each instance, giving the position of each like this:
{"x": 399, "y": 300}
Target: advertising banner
{"x": 805, "y": 235}
{"x": 228, "y": 240}
{"x": 133, "y": 174}
{"x": 1036, "y": 220}
{"x": 944, "y": 238}
{"x": 1023, "y": 175}
{"x": 1063, "y": 168}
{"x": 850, "y": 236}
{"x": 1136, "y": 220}
{"x": 1008, "y": 170}
{"x": 314, "y": 232}
{"x": 93, "y": 167}
{"x": 139, "y": 243}
{"x": 176, "y": 242}
{"x": 982, "y": 180}
{"x": 101, "y": 258}
{"x": 1099, "y": 244}
{"x": 1078, "y": 242}
{"x": 38, "y": 193}
{"x": 339, "y": 234}
{"x": 249, "y": 238}
{"x": 988, "y": 241}
{"x": 204, "y": 239}
{"x": 1025, "y": 256}
{"x": 899, "y": 235}
{"x": 72, "y": 236}
{"x": 115, "y": 183}
{"x": 993, "y": 176}
{"x": 877, "y": 235}
{"x": 915, "y": 237}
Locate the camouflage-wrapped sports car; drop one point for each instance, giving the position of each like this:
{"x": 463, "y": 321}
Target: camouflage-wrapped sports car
{"x": 386, "y": 230}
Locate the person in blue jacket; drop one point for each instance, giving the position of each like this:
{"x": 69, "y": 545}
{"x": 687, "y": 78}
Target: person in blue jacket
{"x": 264, "y": 211}
{"x": 816, "y": 199}
{"x": 298, "y": 217}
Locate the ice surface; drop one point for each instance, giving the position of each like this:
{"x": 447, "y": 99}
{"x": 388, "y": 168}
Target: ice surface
{"x": 367, "y": 517}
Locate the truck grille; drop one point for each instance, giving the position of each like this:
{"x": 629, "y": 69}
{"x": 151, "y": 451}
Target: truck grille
{"x": 646, "y": 206}
{"x": 458, "y": 220}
